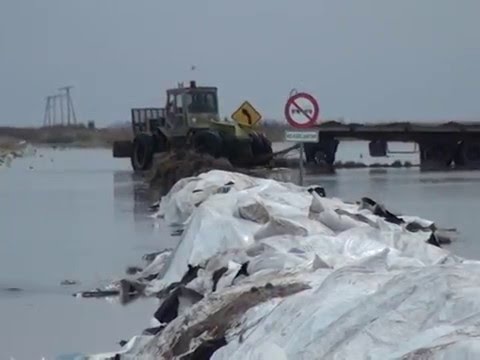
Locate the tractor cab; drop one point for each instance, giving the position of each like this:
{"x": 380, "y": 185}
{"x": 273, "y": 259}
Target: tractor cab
{"x": 190, "y": 108}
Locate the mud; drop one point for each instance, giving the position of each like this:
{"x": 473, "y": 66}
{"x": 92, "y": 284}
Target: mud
{"x": 217, "y": 323}
{"x": 168, "y": 168}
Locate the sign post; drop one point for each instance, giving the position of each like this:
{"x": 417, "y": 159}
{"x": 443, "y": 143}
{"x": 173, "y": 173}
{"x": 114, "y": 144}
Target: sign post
{"x": 301, "y": 171}
{"x": 301, "y": 112}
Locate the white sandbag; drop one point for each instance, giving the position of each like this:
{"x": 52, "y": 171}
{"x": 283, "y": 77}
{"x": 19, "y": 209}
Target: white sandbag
{"x": 296, "y": 227}
{"x": 369, "y": 288}
{"x": 374, "y": 316}
{"x": 327, "y": 213}
{"x": 168, "y": 208}
{"x": 158, "y": 266}
{"x": 337, "y": 222}
{"x": 178, "y": 204}
{"x": 253, "y": 209}
{"x": 273, "y": 260}
{"x": 212, "y": 229}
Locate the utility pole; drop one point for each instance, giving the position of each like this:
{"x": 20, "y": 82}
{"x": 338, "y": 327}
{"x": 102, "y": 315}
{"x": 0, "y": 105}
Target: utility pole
{"x": 71, "y": 117}
{"x": 54, "y": 106}
{"x": 59, "y": 106}
{"x": 50, "y": 116}
{"x": 47, "y": 118}
{"x": 61, "y": 97}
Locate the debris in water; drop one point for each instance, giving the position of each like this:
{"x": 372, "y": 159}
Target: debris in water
{"x": 13, "y": 289}
{"x": 178, "y": 232}
{"x": 98, "y": 293}
{"x": 69, "y": 282}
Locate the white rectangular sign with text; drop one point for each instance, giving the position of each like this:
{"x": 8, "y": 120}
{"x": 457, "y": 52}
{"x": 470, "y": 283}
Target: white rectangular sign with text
{"x": 301, "y": 136}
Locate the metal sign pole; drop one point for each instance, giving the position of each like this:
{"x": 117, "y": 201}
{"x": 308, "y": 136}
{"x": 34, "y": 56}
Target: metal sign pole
{"x": 302, "y": 170}
{"x": 301, "y": 112}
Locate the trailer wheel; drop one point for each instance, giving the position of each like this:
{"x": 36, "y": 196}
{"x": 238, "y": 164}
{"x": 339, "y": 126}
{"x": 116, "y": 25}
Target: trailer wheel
{"x": 143, "y": 148}
{"x": 208, "y": 142}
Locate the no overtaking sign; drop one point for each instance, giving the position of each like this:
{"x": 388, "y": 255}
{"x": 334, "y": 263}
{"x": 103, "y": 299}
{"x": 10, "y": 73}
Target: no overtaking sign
{"x": 302, "y": 110}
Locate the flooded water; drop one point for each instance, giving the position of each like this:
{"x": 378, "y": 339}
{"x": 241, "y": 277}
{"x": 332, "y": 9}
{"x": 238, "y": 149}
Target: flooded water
{"x": 81, "y": 215}
{"x": 76, "y": 215}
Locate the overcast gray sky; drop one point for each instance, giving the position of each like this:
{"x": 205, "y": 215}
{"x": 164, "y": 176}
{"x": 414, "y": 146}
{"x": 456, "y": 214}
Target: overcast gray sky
{"x": 362, "y": 59}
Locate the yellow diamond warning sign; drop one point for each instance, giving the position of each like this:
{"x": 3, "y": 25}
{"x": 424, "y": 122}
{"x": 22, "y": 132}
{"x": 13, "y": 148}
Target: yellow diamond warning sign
{"x": 246, "y": 115}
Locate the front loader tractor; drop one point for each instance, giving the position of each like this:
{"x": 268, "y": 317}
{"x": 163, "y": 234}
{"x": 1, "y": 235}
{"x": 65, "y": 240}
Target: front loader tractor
{"x": 190, "y": 120}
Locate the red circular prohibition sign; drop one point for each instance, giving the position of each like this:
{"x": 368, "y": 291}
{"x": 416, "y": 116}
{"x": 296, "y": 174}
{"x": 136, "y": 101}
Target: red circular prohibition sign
{"x": 292, "y": 103}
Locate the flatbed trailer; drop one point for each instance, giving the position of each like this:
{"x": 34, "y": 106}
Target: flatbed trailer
{"x": 441, "y": 145}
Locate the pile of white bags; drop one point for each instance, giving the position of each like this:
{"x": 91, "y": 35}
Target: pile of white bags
{"x": 269, "y": 270}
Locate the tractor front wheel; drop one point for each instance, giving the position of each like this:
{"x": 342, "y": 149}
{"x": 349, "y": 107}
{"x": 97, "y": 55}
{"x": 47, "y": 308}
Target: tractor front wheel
{"x": 261, "y": 148}
{"x": 208, "y": 142}
{"x": 143, "y": 148}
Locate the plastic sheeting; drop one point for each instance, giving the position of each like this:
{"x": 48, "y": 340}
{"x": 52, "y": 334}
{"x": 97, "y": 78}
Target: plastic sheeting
{"x": 371, "y": 288}
{"x": 356, "y": 313}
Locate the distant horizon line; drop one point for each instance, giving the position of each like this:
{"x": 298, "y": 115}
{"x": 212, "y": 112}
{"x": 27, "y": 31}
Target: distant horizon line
{"x": 276, "y": 121}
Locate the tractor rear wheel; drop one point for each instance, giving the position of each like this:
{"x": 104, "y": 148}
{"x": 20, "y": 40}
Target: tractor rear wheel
{"x": 143, "y": 148}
